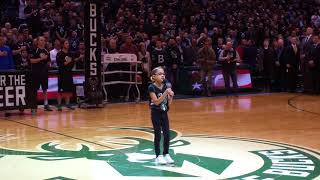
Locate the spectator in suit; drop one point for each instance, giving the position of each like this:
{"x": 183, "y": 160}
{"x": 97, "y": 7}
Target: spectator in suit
{"x": 306, "y": 46}
{"x": 292, "y": 61}
{"x": 280, "y": 66}
{"x": 313, "y": 59}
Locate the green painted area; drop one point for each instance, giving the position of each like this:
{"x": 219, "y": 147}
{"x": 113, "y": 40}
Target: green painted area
{"x": 59, "y": 178}
{"x": 212, "y": 164}
{"x": 118, "y": 158}
{"x": 261, "y": 173}
{"x": 138, "y": 159}
{"x": 289, "y": 171}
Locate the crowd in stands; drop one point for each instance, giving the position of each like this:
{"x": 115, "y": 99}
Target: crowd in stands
{"x": 278, "y": 39}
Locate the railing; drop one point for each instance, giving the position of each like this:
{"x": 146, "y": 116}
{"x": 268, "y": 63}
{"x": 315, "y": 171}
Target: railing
{"x": 131, "y": 60}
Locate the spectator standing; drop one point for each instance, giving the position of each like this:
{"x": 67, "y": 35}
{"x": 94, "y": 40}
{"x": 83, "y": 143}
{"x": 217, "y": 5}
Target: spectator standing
{"x": 39, "y": 73}
{"x": 130, "y": 48}
{"x": 145, "y": 59}
{"x": 33, "y": 17}
{"x": 190, "y": 54}
{"x": 173, "y": 61}
{"x": 206, "y": 59}
{"x": 280, "y": 66}
{"x": 292, "y": 60}
{"x": 53, "y": 54}
{"x": 6, "y": 59}
{"x": 313, "y": 59}
{"x": 268, "y": 57}
{"x": 22, "y": 16}
{"x": 60, "y": 29}
{"x": 306, "y": 46}
{"x": 17, "y": 49}
{"x": 158, "y": 57}
{"x": 229, "y": 58}
{"x": 79, "y": 57}
{"x": 25, "y": 60}
{"x": 66, "y": 87}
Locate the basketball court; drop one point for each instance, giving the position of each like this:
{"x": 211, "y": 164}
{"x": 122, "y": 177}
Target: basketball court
{"x": 263, "y": 136}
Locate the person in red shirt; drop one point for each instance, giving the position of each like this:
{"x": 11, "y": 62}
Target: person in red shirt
{"x": 240, "y": 48}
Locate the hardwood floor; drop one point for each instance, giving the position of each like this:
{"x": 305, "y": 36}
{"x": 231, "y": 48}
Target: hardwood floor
{"x": 292, "y": 119}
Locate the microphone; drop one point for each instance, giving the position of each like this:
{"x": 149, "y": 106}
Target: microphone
{"x": 167, "y": 83}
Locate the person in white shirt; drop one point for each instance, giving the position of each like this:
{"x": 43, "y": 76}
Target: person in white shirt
{"x": 22, "y": 16}
{"x": 53, "y": 54}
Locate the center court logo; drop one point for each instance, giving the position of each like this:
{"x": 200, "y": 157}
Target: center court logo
{"x": 196, "y": 157}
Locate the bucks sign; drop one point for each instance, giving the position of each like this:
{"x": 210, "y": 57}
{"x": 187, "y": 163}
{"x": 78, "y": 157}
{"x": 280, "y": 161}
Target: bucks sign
{"x": 93, "y": 90}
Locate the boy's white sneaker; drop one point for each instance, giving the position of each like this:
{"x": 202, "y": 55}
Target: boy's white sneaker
{"x": 160, "y": 160}
{"x": 168, "y": 159}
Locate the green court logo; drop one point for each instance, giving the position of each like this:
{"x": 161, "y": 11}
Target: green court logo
{"x": 196, "y": 156}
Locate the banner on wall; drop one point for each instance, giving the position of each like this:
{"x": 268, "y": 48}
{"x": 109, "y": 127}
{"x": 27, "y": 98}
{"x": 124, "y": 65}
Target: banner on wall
{"x": 14, "y": 90}
{"x": 195, "y": 85}
{"x": 78, "y": 80}
{"x": 243, "y": 79}
{"x": 119, "y": 58}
